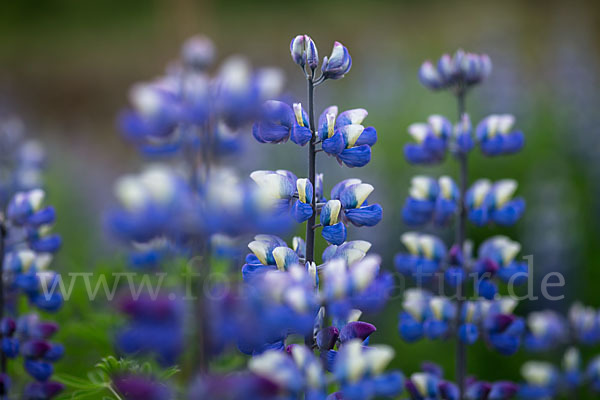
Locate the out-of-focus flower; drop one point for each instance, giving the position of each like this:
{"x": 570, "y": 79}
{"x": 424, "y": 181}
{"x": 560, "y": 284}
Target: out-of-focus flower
{"x": 431, "y": 140}
{"x": 155, "y": 327}
{"x": 358, "y": 285}
{"x": 430, "y": 200}
{"x": 360, "y": 371}
{"x": 545, "y": 330}
{"x": 280, "y": 122}
{"x": 138, "y": 387}
{"x": 198, "y": 52}
{"x": 454, "y": 72}
{"x": 425, "y": 256}
{"x": 585, "y": 323}
{"x": 496, "y": 257}
{"x": 542, "y": 380}
{"x": 487, "y": 202}
{"x": 496, "y": 136}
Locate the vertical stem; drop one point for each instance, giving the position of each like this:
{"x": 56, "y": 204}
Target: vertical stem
{"x": 310, "y": 231}
{"x": 461, "y": 230}
{"x": 310, "y": 224}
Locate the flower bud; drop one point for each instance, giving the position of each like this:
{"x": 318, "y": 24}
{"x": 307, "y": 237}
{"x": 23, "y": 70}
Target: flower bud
{"x": 338, "y": 64}
{"x": 304, "y": 51}
{"x": 198, "y": 52}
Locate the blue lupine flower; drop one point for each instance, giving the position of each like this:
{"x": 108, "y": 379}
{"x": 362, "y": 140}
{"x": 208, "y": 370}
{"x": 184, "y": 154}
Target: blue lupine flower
{"x": 504, "y": 332}
{"x": 350, "y": 252}
{"x": 545, "y": 330}
{"x": 495, "y": 135}
{"x": 585, "y": 324}
{"x": 300, "y": 372}
{"x": 487, "y": 202}
{"x": 542, "y": 380}
{"x": 425, "y": 315}
{"x": 593, "y": 373}
{"x": 304, "y": 52}
{"x": 269, "y": 253}
{"x": 425, "y": 256}
{"x": 430, "y": 200}
{"x": 496, "y": 257}
{"x": 462, "y": 135}
{"x": 360, "y": 371}
{"x": 334, "y": 231}
{"x": 359, "y": 285}
{"x": 344, "y": 136}
{"x": 571, "y": 364}
{"x": 349, "y": 204}
{"x": 283, "y": 302}
{"x": 280, "y": 122}
{"x": 461, "y": 70}
{"x": 415, "y": 306}
{"x": 430, "y": 386}
{"x": 338, "y": 63}
{"x": 155, "y": 327}
{"x": 431, "y": 141}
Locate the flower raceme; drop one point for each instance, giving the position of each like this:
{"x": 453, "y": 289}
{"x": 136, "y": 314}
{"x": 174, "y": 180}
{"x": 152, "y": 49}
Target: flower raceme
{"x": 460, "y": 70}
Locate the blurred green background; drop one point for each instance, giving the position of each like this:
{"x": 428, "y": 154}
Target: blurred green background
{"x": 66, "y": 66}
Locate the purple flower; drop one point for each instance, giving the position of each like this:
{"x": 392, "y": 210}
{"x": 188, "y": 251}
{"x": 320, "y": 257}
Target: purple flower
{"x": 338, "y": 64}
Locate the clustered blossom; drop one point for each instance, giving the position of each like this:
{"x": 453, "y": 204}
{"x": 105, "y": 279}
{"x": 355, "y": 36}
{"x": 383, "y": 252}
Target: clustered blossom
{"x": 432, "y": 140}
{"x": 548, "y": 330}
{"x": 28, "y": 246}
{"x": 170, "y": 114}
{"x": 431, "y": 385}
{"x": 433, "y": 317}
{"x": 456, "y": 71}
{"x": 427, "y": 256}
{"x": 429, "y": 261}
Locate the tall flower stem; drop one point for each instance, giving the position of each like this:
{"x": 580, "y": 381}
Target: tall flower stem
{"x": 310, "y": 230}
{"x": 461, "y": 230}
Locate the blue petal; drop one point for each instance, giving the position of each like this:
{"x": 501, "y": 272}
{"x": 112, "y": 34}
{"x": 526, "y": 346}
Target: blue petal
{"x": 40, "y": 370}
{"x": 267, "y": 132}
{"x": 334, "y": 234}
{"x": 487, "y": 289}
{"x": 468, "y": 333}
{"x": 300, "y": 135}
{"x": 510, "y": 213}
{"x": 368, "y": 137}
{"x": 250, "y": 271}
{"x": 435, "y": 329}
{"x": 334, "y": 145}
{"x": 410, "y": 330}
{"x": 365, "y": 216}
{"x": 389, "y": 385}
{"x": 356, "y": 329}
{"x": 356, "y": 156}
{"x": 301, "y": 211}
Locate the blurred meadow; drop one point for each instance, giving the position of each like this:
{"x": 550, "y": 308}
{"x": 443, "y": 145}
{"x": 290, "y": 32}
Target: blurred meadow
{"x": 66, "y": 67}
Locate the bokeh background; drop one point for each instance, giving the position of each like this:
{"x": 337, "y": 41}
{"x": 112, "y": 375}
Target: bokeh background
{"x": 66, "y": 66}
